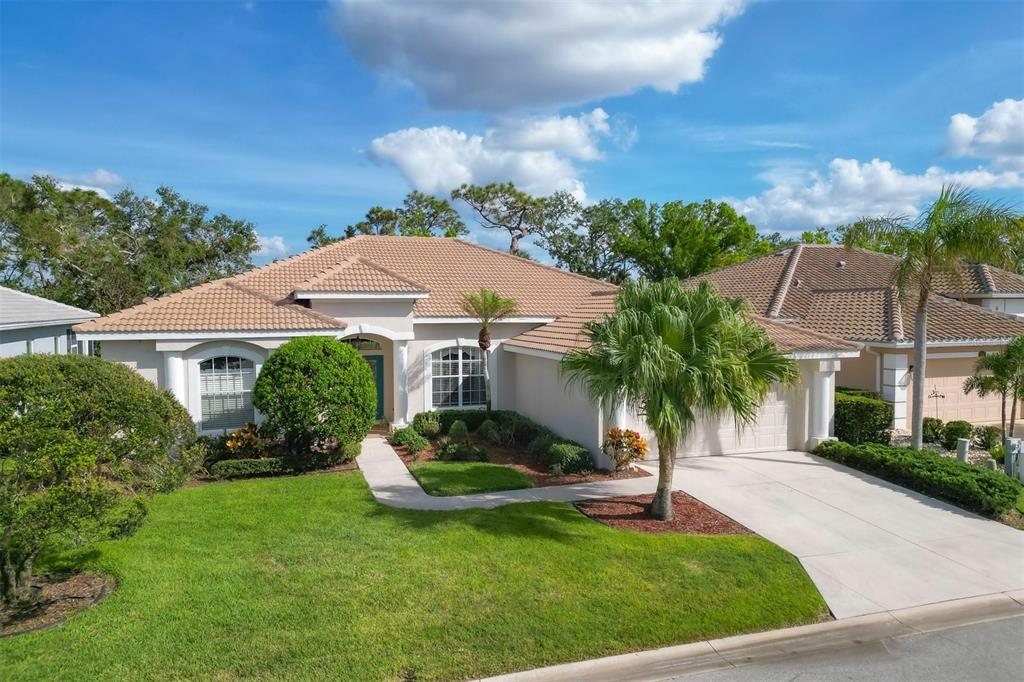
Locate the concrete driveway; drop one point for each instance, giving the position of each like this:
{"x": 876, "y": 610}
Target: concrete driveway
{"x": 868, "y": 545}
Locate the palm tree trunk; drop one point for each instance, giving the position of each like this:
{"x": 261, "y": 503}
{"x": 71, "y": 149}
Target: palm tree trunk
{"x": 1013, "y": 412}
{"x": 487, "y": 384}
{"x": 1002, "y": 418}
{"x": 920, "y": 350}
{"x": 661, "y": 505}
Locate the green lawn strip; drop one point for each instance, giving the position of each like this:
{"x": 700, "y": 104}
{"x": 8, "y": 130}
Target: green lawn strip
{"x": 463, "y": 478}
{"x": 307, "y": 577}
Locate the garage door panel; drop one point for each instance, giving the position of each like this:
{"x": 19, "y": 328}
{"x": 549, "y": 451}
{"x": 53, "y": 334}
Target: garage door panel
{"x": 944, "y": 394}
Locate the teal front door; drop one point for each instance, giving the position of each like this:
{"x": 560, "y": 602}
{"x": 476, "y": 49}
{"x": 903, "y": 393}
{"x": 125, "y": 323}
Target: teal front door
{"x": 376, "y": 363}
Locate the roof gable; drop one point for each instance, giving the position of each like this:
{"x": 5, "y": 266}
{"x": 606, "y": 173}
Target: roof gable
{"x": 20, "y": 310}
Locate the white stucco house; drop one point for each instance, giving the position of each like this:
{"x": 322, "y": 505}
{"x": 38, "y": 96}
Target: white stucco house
{"x": 30, "y": 324}
{"x": 397, "y": 300}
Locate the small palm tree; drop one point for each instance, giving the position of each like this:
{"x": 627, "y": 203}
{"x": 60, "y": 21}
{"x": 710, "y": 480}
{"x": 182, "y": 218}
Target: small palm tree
{"x": 487, "y": 307}
{"x": 674, "y": 355}
{"x": 1001, "y": 372}
{"x": 958, "y": 227}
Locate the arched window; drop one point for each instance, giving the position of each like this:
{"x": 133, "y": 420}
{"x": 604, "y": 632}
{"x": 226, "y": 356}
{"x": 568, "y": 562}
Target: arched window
{"x": 225, "y": 392}
{"x": 457, "y": 377}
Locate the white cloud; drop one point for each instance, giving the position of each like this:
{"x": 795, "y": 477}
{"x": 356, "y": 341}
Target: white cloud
{"x": 99, "y": 181}
{"x": 272, "y": 246}
{"x": 503, "y": 55}
{"x": 101, "y": 177}
{"x": 997, "y": 134}
{"x": 535, "y": 153}
{"x": 852, "y": 189}
{"x": 68, "y": 186}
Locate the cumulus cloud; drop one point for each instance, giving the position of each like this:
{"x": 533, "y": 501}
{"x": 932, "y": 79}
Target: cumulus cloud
{"x": 271, "y": 246}
{"x": 98, "y": 181}
{"x": 504, "y": 55}
{"x": 851, "y": 189}
{"x": 101, "y": 177}
{"x": 536, "y": 153}
{"x": 997, "y": 134}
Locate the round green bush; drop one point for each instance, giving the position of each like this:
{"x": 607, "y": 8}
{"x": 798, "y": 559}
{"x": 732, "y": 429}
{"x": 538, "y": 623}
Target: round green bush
{"x": 955, "y": 430}
{"x": 410, "y": 439}
{"x": 931, "y": 431}
{"x": 988, "y": 437}
{"x": 316, "y": 393}
{"x": 566, "y": 457}
{"x": 488, "y": 430}
{"x": 458, "y": 433}
{"x": 427, "y": 424}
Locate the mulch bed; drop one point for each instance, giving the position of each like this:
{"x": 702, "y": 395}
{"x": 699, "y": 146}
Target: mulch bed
{"x": 532, "y": 467}
{"x": 690, "y": 516}
{"x": 59, "y": 597}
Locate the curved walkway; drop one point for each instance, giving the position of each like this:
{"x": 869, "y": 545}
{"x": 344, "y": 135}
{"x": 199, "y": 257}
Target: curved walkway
{"x": 870, "y": 546}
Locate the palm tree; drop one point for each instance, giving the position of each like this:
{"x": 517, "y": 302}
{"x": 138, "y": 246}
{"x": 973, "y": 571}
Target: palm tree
{"x": 1001, "y": 372}
{"x": 958, "y": 227}
{"x": 674, "y": 355}
{"x": 487, "y": 307}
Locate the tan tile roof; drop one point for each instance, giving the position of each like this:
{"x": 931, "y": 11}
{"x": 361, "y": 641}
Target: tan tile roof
{"x": 848, "y": 293}
{"x": 448, "y": 268}
{"x": 358, "y": 275}
{"x": 217, "y": 306}
{"x": 567, "y": 333}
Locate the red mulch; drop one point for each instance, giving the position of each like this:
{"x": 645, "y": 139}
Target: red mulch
{"x": 58, "y": 599}
{"x": 532, "y": 467}
{"x": 690, "y": 516}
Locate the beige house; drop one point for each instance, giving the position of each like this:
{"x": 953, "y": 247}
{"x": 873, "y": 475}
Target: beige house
{"x": 847, "y": 293}
{"x": 397, "y": 300}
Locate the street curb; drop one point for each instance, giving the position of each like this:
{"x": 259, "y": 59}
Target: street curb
{"x": 741, "y": 650}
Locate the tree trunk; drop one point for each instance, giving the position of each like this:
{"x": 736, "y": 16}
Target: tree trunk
{"x": 513, "y": 246}
{"x": 16, "y": 579}
{"x": 487, "y": 386}
{"x": 1013, "y": 412}
{"x": 1002, "y": 418}
{"x": 661, "y": 505}
{"x": 920, "y": 348}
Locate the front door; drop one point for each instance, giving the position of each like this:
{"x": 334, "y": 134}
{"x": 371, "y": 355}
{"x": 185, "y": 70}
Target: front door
{"x": 376, "y": 363}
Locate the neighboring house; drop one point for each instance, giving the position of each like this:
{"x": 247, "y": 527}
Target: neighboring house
{"x": 30, "y": 324}
{"x": 398, "y": 301}
{"x": 847, "y": 293}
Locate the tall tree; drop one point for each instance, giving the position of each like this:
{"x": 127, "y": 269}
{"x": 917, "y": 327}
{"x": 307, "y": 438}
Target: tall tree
{"x": 487, "y": 307}
{"x": 378, "y": 220}
{"x": 958, "y": 227}
{"x": 318, "y": 237}
{"x": 1001, "y": 372}
{"x": 503, "y": 207}
{"x": 681, "y": 240}
{"x": 675, "y": 355}
{"x": 104, "y": 255}
{"x": 422, "y": 215}
{"x": 582, "y": 239}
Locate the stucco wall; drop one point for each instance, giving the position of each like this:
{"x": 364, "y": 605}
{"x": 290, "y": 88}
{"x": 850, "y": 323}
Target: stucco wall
{"x": 863, "y": 372}
{"x": 14, "y": 342}
{"x": 540, "y": 394}
{"x": 393, "y": 315}
{"x": 945, "y": 376}
{"x": 141, "y": 356}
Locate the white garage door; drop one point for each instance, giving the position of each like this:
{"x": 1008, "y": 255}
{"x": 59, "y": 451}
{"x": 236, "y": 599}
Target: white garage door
{"x": 720, "y": 437}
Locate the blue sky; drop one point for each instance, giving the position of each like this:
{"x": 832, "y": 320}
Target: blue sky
{"x": 295, "y": 114}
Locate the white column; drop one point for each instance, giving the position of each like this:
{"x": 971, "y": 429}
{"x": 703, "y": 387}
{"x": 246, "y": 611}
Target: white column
{"x": 174, "y": 374}
{"x": 895, "y": 379}
{"x": 400, "y": 367}
{"x": 822, "y": 399}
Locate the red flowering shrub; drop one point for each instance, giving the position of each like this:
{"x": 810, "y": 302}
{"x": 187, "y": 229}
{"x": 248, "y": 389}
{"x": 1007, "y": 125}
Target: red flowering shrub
{"x": 624, "y": 446}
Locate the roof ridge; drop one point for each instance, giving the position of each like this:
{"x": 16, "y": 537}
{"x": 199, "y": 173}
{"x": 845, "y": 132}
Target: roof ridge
{"x": 49, "y": 301}
{"x": 986, "y": 277}
{"x": 896, "y": 328}
{"x": 787, "y": 278}
{"x": 285, "y": 302}
{"x": 388, "y": 271}
{"x": 527, "y": 260}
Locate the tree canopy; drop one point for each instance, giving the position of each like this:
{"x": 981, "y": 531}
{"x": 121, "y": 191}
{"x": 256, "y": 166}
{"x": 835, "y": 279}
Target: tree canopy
{"x": 501, "y": 206}
{"x": 79, "y": 248}
{"x": 420, "y": 215}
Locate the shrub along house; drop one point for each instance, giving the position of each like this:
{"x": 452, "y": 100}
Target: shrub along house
{"x": 847, "y": 293}
{"x": 397, "y": 300}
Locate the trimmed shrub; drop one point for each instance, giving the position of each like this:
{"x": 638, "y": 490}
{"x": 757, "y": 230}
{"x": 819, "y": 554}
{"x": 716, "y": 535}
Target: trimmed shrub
{"x": 458, "y": 433}
{"x": 349, "y": 451}
{"x": 973, "y": 488}
{"x": 244, "y": 468}
{"x": 410, "y": 439}
{"x": 427, "y": 424}
{"x": 317, "y": 394}
{"x": 987, "y": 437}
{"x": 566, "y": 457}
{"x": 472, "y": 418}
{"x": 489, "y": 431}
{"x": 461, "y": 452}
{"x": 538, "y": 447}
{"x": 862, "y": 418}
{"x": 931, "y": 431}
{"x": 955, "y": 430}
{"x": 998, "y": 453}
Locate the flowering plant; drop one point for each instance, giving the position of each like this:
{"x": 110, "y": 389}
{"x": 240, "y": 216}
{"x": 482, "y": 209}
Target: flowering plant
{"x": 246, "y": 443}
{"x": 624, "y": 446}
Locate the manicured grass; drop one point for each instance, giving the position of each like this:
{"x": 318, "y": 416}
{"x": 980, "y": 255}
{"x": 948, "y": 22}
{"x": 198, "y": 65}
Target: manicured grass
{"x": 308, "y": 578}
{"x": 462, "y": 478}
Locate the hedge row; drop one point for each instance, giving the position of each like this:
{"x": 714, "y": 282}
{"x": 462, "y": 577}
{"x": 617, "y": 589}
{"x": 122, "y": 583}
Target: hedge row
{"x": 861, "y": 417}
{"x": 242, "y": 468}
{"x": 970, "y": 487}
{"x": 512, "y": 429}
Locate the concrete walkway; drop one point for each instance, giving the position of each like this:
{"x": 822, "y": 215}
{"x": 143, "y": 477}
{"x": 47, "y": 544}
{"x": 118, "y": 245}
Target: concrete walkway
{"x": 868, "y": 545}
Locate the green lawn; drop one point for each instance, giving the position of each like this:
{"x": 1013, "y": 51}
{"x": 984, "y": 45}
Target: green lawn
{"x": 307, "y": 577}
{"x": 462, "y": 478}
